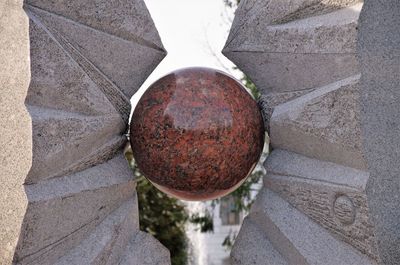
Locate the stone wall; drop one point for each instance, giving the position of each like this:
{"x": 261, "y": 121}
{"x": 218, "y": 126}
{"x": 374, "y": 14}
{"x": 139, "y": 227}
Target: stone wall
{"x": 324, "y": 199}
{"x": 75, "y": 65}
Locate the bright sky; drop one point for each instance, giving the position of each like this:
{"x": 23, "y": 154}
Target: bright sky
{"x": 193, "y": 32}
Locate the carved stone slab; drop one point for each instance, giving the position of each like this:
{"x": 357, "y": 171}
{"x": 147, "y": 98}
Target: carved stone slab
{"x": 87, "y": 58}
{"x": 315, "y": 207}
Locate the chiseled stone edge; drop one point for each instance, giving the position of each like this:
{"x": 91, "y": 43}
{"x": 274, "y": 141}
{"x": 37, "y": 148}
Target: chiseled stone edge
{"x": 58, "y": 249}
{"x": 298, "y": 239}
{"x": 331, "y": 195}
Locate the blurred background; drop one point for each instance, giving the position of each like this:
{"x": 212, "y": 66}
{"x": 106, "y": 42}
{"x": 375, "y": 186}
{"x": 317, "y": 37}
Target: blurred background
{"x": 196, "y": 233}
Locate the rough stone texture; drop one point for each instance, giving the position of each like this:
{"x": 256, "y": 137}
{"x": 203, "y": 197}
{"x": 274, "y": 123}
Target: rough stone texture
{"x": 344, "y": 209}
{"x": 268, "y": 103}
{"x": 298, "y": 239}
{"x": 253, "y": 247}
{"x": 81, "y": 200}
{"x": 81, "y": 141}
{"x": 109, "y": 240}
{"x": 282, "y": 72}
{"x": 106, "y": 29}
{"x": 323, "y": 124}
{"x": 15, "y": 129}
{"x": 332, "y": 33}
{"x": 145, "y": 250}
{"x": 331, "y": 195}
{"x": 77, "y": 203}
{"x": 280, "y": 12}
{"x": 314, "y": 206}
{"x": 379, "y": 53}
{"x": 322, "y": 41}
{"x": 197, "y": 134}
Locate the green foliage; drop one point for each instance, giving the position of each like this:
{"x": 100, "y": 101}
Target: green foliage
{"x": 229, "y": 240}
{"x": 231, "y": 3}
{"x": 242, "y": 195}
{"x": 161, "y": 216}
{"x": 251, "y": 86}
{"x": 205, "y": 221}
{"x": 243, "y": 200}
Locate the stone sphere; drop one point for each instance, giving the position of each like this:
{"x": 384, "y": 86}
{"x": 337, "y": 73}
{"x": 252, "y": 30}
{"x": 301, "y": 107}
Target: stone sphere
{"x": 196, "y": 134}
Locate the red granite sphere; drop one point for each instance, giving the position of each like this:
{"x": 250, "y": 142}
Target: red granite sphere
{"x": 196, "y": 134}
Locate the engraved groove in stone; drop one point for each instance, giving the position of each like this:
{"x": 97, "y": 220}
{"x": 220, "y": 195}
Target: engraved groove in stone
{"x": 313, "y": 187}
{"x": 96, "y": 138}
{"x": 110, "y": 90}
{"x": 103, "y": 188}
{"x": 315, "y": 8}
{"x": 281, "y": 222}
{"x": 79, "y": 175}
{"x": 327, "y": 118}
{"x": 115, "y": 232}
{"x": 344, "y": 210}
{"x": 308, "y": 46}
{"x": 126, "y": 72}
{"x": 324, "y": 43}
{"x": 137, "y": 40}
{"x": 152, "y": 41}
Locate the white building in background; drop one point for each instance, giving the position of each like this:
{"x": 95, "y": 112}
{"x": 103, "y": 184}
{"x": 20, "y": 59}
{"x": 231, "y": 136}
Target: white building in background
{"x": 206, "y": 248}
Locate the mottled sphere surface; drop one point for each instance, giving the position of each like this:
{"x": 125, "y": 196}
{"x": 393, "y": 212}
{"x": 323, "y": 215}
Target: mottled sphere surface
{"x": 196, "y": 134}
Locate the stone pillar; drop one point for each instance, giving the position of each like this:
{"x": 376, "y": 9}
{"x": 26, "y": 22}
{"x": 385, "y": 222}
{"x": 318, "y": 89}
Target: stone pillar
{"x": 15, "y": 124}
{"x": 314, "y": 206}
{"x": 379, "y": 49}
{"x": 77, "y": 204}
